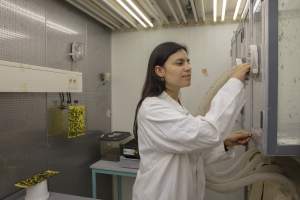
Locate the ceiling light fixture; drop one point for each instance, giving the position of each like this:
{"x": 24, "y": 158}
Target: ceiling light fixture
{"x": 111, "y": 13}
{"x": 173, "y": 12}
{"x": 194, "y": 11}
{"x": 181, "y": 11}
{"x": 202, "y": 11}
{"x": 238, "y": 4}
{"x": 245, "y": 9}
{"x": 115, "y": 7}
{"x": 91, "y": 14}
{"x": 256, "y": 5}
{"x": 131, "y": 13}
{"x": 223, "y": 10}
{"x": 215, "y": 10}
{"x": 152, "y": 12}
{"x": 159, "y": 11}
{"x": 102, "y": 13}
{"x": 140, "y": 12}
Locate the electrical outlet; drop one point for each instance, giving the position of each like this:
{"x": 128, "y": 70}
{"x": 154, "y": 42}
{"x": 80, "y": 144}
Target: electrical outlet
{"x": 72, "y": 82}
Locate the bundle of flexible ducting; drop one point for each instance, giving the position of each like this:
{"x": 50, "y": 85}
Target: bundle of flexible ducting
{"x": 227, "y": 181}
{"x": 254, "y": 171}
{"x": 240, "y": 163}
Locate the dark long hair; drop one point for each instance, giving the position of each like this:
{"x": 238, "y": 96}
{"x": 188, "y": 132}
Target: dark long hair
{"x": 153, "y": 85}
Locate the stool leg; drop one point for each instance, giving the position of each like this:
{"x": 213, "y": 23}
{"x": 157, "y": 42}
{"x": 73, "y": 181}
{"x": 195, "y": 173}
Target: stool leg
{"x": 94, "y": 184}
{"x": 119, "y": 187}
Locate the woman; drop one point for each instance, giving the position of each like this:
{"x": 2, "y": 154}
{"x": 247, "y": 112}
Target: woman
{"x": 174, "y": 146}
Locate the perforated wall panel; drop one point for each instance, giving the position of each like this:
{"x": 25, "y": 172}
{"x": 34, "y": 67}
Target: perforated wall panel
{"x": 33, "y": 130}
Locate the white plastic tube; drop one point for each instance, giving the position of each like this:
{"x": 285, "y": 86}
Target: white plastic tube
{"x": 269, "y": 169}
{"x": 231, "y": 187}
{"x": 261, "y": 169}
{"x": 212, "y": 91}
{"x": 238, "y": 164}
{"x": 249, "y": 168}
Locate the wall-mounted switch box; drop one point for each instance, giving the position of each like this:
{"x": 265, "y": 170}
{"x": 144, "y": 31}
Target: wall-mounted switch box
{"x": 18, "y": 77}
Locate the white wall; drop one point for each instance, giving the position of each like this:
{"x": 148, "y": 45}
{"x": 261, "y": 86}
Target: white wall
{"x": 209, "y": 47}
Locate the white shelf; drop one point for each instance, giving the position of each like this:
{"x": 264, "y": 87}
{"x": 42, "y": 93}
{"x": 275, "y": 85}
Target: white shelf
{"x": 18, "y": 77}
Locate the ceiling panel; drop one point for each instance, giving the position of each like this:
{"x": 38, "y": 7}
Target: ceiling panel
{"x": 120, "y": 18}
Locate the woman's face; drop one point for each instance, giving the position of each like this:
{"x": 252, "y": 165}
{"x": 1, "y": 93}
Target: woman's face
{"x": 177, "y": 71}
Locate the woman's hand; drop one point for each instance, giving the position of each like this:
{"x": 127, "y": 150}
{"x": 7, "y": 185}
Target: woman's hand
{"x": 237, "y": 138}
{"x": 241, "y": 71}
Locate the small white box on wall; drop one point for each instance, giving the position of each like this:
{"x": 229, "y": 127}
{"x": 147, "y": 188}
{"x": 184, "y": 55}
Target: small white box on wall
{"x": 18, "y": 77}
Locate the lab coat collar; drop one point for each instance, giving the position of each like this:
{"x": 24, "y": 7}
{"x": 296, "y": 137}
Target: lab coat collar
{"x": 175, "y": 104}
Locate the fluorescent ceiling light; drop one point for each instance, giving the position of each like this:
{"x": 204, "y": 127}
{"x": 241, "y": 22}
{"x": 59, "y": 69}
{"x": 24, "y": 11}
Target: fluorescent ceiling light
{"x": 256, "y": 5}
{"x": 15, "y": 8}
{"x": 111, "y": 13}
{"x": 132, "y": 14}
{"x": 140, "y": 12}
{"x": 224, "y": 9}
{"x": 181, "y": 11}
{"x": 215, "y": 10}
{"x": 194, "y": 10}
{"x": 91, "y": 14}
{"x": 173, "y": 12}
{"x": 152, "y": 12}
{"x": 113, "y": 5}
{"x": 202, "y": 11}
{"x": 236, "y": 9}
{"x": 245, "y": 9}
{"x": 100, "y": 12}
{"x": 159, "y": 11}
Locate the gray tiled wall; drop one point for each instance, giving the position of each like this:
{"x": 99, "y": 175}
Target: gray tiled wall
{"x": 33, "y": 131}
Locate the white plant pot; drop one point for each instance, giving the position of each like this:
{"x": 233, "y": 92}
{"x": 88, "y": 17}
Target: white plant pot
{"x": 38, "y": 191}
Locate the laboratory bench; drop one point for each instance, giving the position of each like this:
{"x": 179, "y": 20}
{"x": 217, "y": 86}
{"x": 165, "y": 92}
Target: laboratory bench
{"x": 59, "y": 196}
{"x": 112, "y": 168}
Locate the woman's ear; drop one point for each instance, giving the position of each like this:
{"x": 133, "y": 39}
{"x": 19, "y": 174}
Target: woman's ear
{"x": 159, "y": 71}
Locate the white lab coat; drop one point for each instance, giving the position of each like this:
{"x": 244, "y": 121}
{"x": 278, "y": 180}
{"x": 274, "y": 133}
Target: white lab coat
{"x": 175, "y": 146}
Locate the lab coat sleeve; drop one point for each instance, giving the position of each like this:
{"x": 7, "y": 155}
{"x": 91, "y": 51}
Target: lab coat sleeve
{"x": 217, "y": 154}
{"x": 171, "y": 131}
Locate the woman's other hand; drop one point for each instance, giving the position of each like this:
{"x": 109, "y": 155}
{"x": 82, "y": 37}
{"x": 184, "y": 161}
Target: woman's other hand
{"x": 237, "y": 138}
{"x": 241, "y": 71}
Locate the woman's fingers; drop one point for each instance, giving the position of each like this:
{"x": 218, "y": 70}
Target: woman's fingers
{"x": 241, "y": 71}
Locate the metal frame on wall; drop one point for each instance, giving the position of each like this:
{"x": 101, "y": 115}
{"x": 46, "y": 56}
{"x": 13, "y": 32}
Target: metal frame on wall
{"x": 266, "y": 139}
{"x": 271, "y": 62}
{"x": 272, "y": 87}
{"x": 34, "y": 130}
